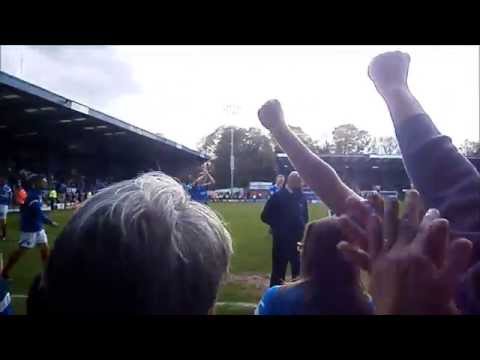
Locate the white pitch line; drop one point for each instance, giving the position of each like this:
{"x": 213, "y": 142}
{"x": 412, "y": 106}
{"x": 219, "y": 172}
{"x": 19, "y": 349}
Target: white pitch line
{"x": 240, "y": 304}
{"x": 20, "y": 296}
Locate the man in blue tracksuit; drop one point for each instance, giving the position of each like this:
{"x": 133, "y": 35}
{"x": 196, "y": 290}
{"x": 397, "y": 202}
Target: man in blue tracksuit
{"x": 32, "y": 219}
{"x": 5, "y": 201}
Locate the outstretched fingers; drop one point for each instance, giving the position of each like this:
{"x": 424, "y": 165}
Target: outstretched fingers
{"x": 354, "y": 255}
{"x": 353, "y": 233}
{"x": 390, "y": 222}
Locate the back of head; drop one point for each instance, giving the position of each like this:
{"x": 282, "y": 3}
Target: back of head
{"x": 294, "y": 181}
{"x": 332, "y": 283}
{"x": 138, "y": 247}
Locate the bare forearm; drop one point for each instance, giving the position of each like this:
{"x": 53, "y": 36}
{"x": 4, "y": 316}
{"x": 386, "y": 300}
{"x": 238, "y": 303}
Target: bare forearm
{"x": 402, "y": 104}
{"x": 319, "y": 175}
{"x": 211, "y": 179}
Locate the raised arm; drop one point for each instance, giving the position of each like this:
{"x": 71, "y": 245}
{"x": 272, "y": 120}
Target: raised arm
{"x": 198, "y": 180}
{"x": 204, "y": 179}
{"x": 319, "y": 176}
{"x": 445, "y": 178}
{"x": 209, "y": 180}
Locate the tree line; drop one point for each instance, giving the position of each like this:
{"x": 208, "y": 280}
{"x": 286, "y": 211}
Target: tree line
{"x": 255, "y": 151}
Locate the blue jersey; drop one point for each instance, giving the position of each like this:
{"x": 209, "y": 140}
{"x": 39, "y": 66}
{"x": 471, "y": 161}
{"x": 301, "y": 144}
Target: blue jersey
{"x": 5, "y": 299}
{"x": 32, "y": 217}
{"x": 199, "y": 193}
{"x": 289, "y": 300}
{"x": 274, "y": 189}
{"x": 5, "y": 195}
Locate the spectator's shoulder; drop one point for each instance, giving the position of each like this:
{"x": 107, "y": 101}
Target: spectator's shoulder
{"x": 266, "y": 304}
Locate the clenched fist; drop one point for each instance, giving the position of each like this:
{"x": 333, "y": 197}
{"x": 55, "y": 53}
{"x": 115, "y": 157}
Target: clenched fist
{"x": 389, "y": 71}
{"x": 271, "y": 115}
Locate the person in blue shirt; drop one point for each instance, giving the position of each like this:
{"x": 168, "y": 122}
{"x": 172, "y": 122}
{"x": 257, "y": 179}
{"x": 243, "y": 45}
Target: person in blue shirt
{"x": 5, "y": 201}
{"x": 279, "y": 182}
{"x": 32, "y": 219}
{"x": 328, "y": 285}
{"x": 199, "y": 188}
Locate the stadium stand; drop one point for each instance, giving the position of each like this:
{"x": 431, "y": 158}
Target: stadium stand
{"x": 47, "y": 133}
{"x": 366, "y": 171}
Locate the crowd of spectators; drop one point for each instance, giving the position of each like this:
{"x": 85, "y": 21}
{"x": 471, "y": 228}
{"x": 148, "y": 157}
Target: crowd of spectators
{"x": 61, "y": 191}
{"x": 144, "y": 246}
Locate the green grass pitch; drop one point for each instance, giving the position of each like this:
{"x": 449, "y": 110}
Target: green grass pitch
{"x": 252, "y": 258}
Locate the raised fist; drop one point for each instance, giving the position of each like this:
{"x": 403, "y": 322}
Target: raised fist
{"x": 389, "y": 71}
{"x": 271, "y": 115}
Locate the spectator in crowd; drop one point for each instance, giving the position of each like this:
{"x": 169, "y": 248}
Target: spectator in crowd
{"x": 20, "y": 194}
{"x": 62, "y": 191}
{"x": 286, "y": 213}
{"x": 329, "y": 284}
{"x": 32, "y": 233}
{"x": 279, "y": 181}
{"x": 138, "y": 247}
{"x": 199, "y": 189}
{"x": 415, "y": 265}
{"x": 426, "y": 152}
{"x": 6, "y": 307}
{"x": 5, "y": 201}
{"x": 52, "y": 197}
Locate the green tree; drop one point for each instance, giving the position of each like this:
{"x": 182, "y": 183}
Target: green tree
{"x": 254, "y": 156}
{"x": 384, "y": 145}
{"x": 348, "y": 139}
{"x": 306, "y": 139}
{"x": 470, "y": 148}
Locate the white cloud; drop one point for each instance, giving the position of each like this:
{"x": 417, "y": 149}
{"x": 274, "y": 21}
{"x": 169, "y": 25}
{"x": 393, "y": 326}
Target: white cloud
{"x": 182, "y": 91}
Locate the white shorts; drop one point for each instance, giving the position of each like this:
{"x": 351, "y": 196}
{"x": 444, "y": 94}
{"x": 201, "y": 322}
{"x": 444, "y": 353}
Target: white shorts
{"x": 3, "y": 212}
{"x": 31, "y": 239}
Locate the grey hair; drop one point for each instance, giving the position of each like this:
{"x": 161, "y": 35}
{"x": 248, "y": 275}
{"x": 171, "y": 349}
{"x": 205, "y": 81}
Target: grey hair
{"x": 143, "y": 235}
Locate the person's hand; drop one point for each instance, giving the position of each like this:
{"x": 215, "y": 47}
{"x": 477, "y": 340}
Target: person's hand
{"x": 271, "y": 116}
{"x": 389, "y": 71}
{"x": 360, "y": 210}
{"x": 414, "y": 267}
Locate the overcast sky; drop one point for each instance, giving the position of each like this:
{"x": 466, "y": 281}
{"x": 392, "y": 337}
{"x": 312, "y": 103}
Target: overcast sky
{"x": 183, "y": 92}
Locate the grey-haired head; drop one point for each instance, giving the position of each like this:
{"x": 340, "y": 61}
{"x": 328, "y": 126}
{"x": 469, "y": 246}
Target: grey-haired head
{"x": 139, "y": 246}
